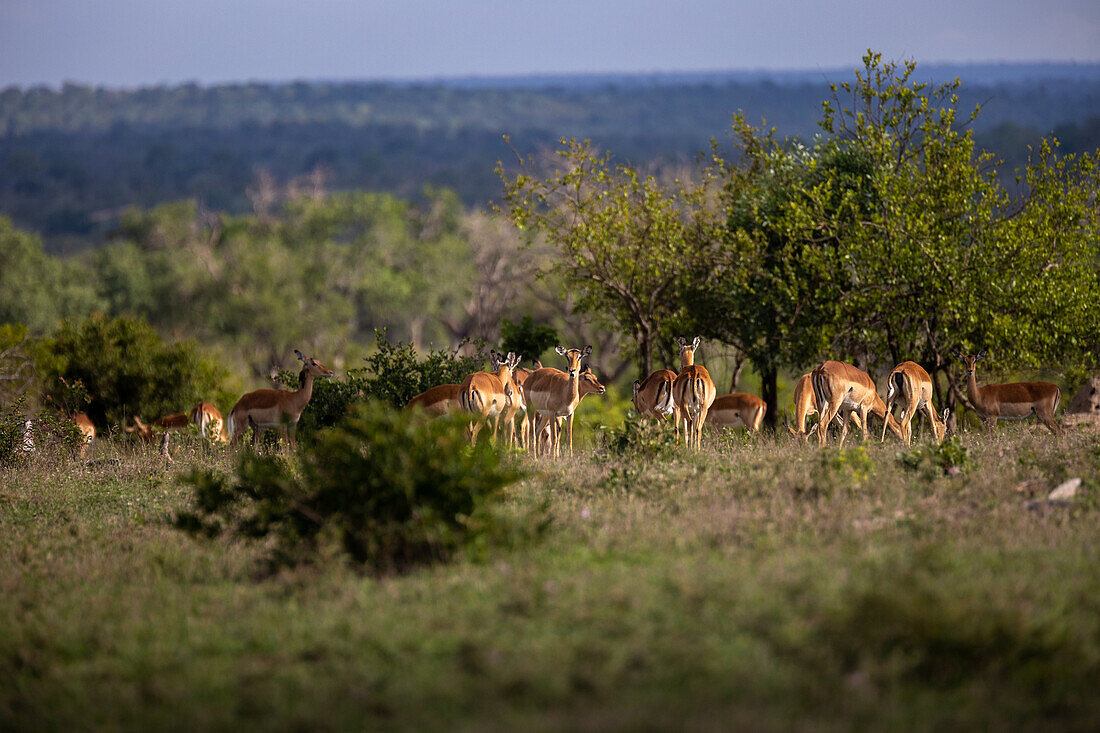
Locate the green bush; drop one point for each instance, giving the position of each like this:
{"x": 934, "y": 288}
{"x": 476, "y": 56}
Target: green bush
{"x": 949, "y": 457}
{"x": 385, "y": 489}
{"x": 127, "y": 369}
{"x": 526, "y": 338}
{"x": 394, "y": 374}
{"x": 639, "y": 438}
{"x": 50, "y": 433}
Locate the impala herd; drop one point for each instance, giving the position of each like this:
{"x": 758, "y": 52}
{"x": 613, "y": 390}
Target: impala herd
{"x": 544, "y": 400}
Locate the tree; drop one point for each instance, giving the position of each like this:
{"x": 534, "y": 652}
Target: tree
{"x": 621, "y": 237}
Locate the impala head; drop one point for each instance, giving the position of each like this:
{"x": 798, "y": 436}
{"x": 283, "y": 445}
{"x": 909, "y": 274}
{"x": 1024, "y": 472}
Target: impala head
{"x": 687, "y": 351}
{"x": 312, "y": 366}
{"x": 141, "y": 429}
{"x": 940, "y": 431}
{"x": 969, "y": 361}
{"x": 589, "y": 384}
{"x": 573, "y": 357}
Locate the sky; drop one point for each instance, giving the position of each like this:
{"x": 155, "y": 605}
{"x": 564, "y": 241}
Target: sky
{"x": 128, "y": 43}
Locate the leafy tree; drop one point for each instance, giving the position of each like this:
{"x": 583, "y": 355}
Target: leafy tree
{"x": 621, "y": 237}
{"x": 527, "y": 338}
{"x": 126, "y": 368}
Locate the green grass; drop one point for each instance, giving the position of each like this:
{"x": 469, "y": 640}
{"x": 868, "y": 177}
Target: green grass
{"x": 762, "y": 585}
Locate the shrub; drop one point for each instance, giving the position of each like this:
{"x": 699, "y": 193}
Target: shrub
{"x": 50, "y": 432}
{"x": 127, "y": 368}
{"x": 949, "y": 457}
{"x": 394, "y": 374}
{"x": 386, "y": 489}
{"x": 526, "y": 338}
{"x": 640, "y": 438}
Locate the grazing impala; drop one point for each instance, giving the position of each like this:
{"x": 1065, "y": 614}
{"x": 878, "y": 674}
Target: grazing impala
{"x": 209, "y": 421}
{"x": 653, "y": 395}
{"x": 1012, "y": 401}
{"x": 275, "y": 408}
{"x": 737, "y": 410}
{"x": 551, "y": 393}
{"x": 839, "y": 386}
{"x": 437, "y": 401}
{"x": 910, "y": 385}
{"x": 488, "y": 394}
{"x": 693, "y": 392}
{"x": 805, "y": 404}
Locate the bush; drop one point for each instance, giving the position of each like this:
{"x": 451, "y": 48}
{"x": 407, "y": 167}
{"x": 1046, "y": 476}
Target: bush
{"x": 127, "y": 369}
{"x": 949, "y": 457}
{"x": 527, "y": 338}
{"x": 50, "y": 432}
{"x": 640, "y": 438}
{"x": 394, "y": 374}
{"x": 386, "y": 489}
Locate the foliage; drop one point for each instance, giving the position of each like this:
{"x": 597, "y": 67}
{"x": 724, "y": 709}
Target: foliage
{"x": 621, "y": 236}
{"x": 388, "y": 489}
{"x": 49, "y": 433}
{"x": 126, "y": 368}
{"x": 394, "y": 374}
{"x": 948, "y": 457}
{"x": 38, "y": 290}
{"x": 526, "y": 338}
{"x": 641, "y": 439}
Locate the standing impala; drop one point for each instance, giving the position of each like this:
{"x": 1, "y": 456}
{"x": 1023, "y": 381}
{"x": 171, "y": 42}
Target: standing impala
{"x": 551, "y": 393}
{"x": 488, "y": 394}
{"x": 653, "y": 395}
{"x": 87, "y": 432}
{"x": 275, "y": 408}
{"x": 839, "y": 386}
{"x": 910, "y": 384}
{"x": 1012, "y": 401}
{"x": 693, "y": 391}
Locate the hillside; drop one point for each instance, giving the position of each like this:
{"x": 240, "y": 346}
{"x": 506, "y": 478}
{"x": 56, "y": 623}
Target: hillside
{"x": 71, "y": 158}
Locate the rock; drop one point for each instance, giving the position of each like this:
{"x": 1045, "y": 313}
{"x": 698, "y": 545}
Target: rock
{"x": 1087, "y": 399}
{"x": 1065, "y": 491}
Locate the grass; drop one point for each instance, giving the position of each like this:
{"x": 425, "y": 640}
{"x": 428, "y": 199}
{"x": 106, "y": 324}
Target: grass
{"x": 761, "y": 584}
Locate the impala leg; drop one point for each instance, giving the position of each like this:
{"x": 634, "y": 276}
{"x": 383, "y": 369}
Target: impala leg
{"x": 826, "y": 419}
{"x": 569, "y": 429}
{"x": 889, "y": 410}
{"x": 1048, "y": 420}
{"x": 291, "y": 433}
{"x": 933, "y": 421}
{"x": 702, "y": 423}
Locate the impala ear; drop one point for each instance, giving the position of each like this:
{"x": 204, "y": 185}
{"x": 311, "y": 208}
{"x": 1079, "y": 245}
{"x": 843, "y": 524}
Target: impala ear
{"x": 299, "y": 355}
{"x": 695, "y": 343}
{"x": 586, "y": 350}
{"x": 560, "y": 350}
{"x": 538, "y": 364}
{"x": 981, "y": 355}
{"x": 681, "y": 341}
{"x": 516, "y": 359}
{"x": 946, "y": 413}
{"x": 637, "y": 386}
{"x": 955, "y": 353}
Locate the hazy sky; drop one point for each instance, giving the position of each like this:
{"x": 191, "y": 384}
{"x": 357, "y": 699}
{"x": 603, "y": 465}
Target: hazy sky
{"x": 135, "y": 42}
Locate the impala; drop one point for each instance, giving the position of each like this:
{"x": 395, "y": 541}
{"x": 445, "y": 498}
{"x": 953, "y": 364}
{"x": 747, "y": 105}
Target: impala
{"x": 209, "y": 421}
{"x": 1012, "y": 401}
{"x": 488, "y": 394}
{"x": 586, "y": 384}
{"x": 693, "y": 392}
{"x": 437, "y": 401}
{"x": 275, "y": 408}
{"x": 910, "y": 385}
{"x": 653, "y": 395}
{"x": 87, "y": 432}
{"x": 551, "y": 393}
{"x": 839, "y": 386}
{"x": 518, "y": 406}
{"x": 805, "y": 404}
{"x": 737, "y": 410}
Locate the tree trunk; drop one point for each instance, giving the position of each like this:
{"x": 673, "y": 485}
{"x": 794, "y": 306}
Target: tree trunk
{"x": 769, "y": 386}
{"x": 738, "y": 366}
{"x": 644, "y": 338}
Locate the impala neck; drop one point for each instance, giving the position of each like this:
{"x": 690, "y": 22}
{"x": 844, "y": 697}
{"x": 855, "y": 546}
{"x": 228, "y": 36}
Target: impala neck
{"x": 878, "y": 408}
{"x": 972, "y": 386}
{"x": 687, "y": 358}
{"x": 301, "y": 397}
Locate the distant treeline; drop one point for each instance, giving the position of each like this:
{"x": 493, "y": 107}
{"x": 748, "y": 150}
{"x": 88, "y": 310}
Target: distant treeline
{"x": 71, "y": 158}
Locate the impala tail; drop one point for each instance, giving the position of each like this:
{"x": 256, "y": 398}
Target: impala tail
{"x": 817, "y": 381}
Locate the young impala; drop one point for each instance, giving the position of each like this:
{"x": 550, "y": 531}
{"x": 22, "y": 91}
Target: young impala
{"x": 275, "y": 408}
{"x": 910, "y": 385}
{"x": 1012, "y": 401}
{"x": 842, "y": 387}
{"x": 693, "y": 392}
{"x": 488, "y": 394}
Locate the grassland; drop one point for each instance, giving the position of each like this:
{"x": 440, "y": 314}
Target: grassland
{"x": 759, "y": 585}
